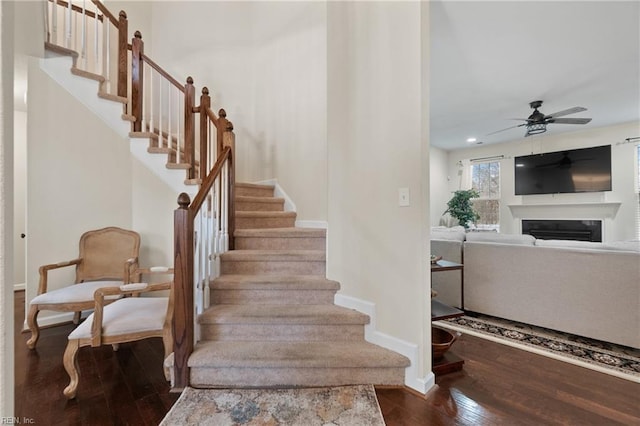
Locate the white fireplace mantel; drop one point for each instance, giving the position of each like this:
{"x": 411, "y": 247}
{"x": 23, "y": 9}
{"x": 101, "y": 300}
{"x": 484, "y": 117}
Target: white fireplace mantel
{"x": 600, "y": 210}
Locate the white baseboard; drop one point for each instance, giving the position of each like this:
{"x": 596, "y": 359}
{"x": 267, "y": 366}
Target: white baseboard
{"x": 289, "y": 205}
{"x": 19, "y": 287}
{"x": 312, "y": 224}
{"x": 410, "y": 350}
{"x": 55, "y": 319}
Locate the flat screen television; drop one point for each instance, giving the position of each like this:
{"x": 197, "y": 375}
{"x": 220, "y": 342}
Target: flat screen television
{"x": 575, "y": 170}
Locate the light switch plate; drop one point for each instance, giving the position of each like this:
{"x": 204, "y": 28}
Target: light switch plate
{"x": 403, "y": 197}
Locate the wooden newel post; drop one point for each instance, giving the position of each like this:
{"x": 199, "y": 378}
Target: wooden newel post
{"x": 123, "y": 51}
{"x": 189, "y": 127}
{"x": 205, "y": 104}
{"x": 137, "y": 80}
{"x": 222, "y": 127}
{"x": 183, "y": 292}
{"x": 229, "y": 139}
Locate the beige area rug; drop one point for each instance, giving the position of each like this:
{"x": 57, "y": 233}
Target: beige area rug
{"x": 343, "y": 405}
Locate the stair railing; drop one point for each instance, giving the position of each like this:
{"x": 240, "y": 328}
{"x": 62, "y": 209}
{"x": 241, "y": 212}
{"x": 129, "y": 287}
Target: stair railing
{"x": 97, "y": 37}
{"x": 203, "y": 229}
{"x": 164, "y": 110}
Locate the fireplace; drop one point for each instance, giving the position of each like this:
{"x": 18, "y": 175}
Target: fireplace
{"x": 582, "y": 230}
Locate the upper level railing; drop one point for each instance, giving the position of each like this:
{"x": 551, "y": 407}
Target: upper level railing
{"x": 161, "y": 108}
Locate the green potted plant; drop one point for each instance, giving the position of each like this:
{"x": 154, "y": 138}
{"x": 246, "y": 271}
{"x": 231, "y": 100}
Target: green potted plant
{"x": 461, "y": 208}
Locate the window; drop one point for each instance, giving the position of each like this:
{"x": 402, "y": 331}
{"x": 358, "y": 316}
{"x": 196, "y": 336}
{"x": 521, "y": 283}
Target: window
{"x": 485, "y": 178}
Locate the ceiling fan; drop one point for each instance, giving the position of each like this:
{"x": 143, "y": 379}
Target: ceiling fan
{"x": 537, "y": 122}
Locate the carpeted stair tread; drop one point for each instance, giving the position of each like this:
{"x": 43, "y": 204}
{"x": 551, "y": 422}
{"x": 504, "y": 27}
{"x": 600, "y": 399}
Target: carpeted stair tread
{"x": 264, "y": 214}
{"x": 282, "y": 315}
{"x": 277, "y": 354}
{"x": 273, "y": 255}
{"x": 273, "y": 282}
{"x": 253, "y": 189}
{"x": 281, "y": 233}
{"x": 253, "y": 203}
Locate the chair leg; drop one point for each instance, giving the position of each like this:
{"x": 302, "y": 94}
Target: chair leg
{"x": 76, "y": 317}
{"x": 70, "y": 361}
{"x": 167, "y": 341}
{"x": 32, "y": 323}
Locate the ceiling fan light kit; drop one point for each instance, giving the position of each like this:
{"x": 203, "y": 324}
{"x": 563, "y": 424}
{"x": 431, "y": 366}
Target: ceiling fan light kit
{"x": 537, "y": 122}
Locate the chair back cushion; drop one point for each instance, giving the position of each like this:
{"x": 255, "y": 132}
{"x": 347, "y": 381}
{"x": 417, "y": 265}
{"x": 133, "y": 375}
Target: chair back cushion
{"x": 104, "y": 253}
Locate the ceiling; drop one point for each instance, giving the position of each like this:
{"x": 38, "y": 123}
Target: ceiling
{"x": 490, "y": 59}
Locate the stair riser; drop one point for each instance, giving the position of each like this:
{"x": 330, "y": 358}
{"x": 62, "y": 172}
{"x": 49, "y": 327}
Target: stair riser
{"x": 253, "y": 192}
{"x": 264, "y": 222}
{"x": 257, "y": 243}
{"x": 273, "y": 268}
{"x": 247, "y": 206}
{"x": 272, "y": 297}
{"x": 232, "y": 377}
{"x": 282, "y": 332}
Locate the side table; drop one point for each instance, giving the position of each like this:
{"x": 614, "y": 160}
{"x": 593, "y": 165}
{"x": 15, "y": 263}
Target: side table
{"x": 450, "y": 362}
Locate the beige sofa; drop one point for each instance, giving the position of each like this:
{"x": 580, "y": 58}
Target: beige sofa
{"x": 588, "y": 289}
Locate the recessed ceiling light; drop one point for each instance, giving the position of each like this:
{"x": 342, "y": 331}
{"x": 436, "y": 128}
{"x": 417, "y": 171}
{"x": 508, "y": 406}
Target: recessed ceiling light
{"x": 471, "y": 140}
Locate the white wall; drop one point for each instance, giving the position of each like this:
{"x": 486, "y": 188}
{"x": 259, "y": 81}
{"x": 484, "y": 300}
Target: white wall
{"x": 374, "y": 122}
{"x": 6, "y": 210}
{"x": 289, "y": 100}
{"x": 265, "y": 64}
{"x": 620, "y": 227}
{"x": 440, "y": 178}
{"x": 19, "y": 194}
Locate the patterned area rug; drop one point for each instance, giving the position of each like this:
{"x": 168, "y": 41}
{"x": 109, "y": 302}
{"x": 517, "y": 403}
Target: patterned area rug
{"x": 620, "y": 361}
{"x": 343, "y": 405}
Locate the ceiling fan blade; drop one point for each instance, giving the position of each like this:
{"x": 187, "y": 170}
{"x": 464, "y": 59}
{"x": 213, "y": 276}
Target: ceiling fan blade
{"x": 566, "y": 112}
{"x": 508, "y": 128}
{"x": 570, "y": 120}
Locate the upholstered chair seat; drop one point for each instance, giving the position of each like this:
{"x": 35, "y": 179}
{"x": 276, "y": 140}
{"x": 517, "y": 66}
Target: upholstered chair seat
{"x": 74, "y": 293}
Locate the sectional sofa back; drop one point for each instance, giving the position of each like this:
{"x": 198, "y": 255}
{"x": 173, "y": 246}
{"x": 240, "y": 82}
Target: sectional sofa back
{"x": 588, "y": 289}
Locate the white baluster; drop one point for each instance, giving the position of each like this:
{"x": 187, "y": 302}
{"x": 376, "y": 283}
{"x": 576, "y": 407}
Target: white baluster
{"x": 96, "y": 36}
{"x": 151, "y": 74}
{"x": 83, "y": 41}
{"x": 106, "y": 72}
{"x": 46, "y": 20}
{"x": 54, "y": 24}
{"x": 169, "y": 137}
{"x": 67, "y": 42}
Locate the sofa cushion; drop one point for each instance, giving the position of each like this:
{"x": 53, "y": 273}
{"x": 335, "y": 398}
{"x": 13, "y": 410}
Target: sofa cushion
{"x": 624, "y": 246}
{"x": 570, "y": 244}
{"x": 493, "y": 237}
{"x": 448, "y": 235}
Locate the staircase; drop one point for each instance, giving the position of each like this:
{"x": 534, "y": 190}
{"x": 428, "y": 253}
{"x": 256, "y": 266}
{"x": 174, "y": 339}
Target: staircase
{"x": 272, "y": 321}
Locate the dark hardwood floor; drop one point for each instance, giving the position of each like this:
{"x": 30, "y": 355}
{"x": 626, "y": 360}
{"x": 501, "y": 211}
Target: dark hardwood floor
{"x": 499, "y": 385}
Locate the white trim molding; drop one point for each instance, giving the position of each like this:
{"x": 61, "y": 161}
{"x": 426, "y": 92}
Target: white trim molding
{"x": 19, "y": 287}
{"x": 371, "y": 335}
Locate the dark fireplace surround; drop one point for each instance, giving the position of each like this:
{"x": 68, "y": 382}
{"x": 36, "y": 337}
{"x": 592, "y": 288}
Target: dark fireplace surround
{"x": 581, "y": 230}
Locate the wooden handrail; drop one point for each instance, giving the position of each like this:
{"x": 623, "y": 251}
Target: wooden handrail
{"x": 77, "y": 9}
{"x": 207, "y": 183}
{"x": 106, "y": 12}
{"x": 212, "y": 116}
{"x": 162, "y": 72}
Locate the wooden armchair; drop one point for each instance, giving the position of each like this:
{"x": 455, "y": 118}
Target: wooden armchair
{"x": 107, "y": 257}
{"x": 127, "y": 319}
